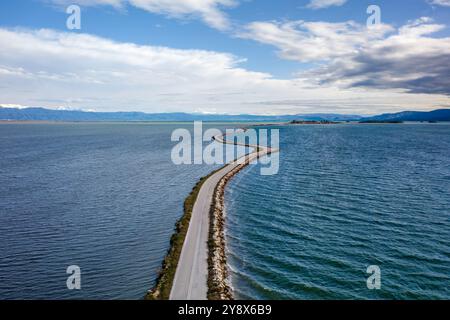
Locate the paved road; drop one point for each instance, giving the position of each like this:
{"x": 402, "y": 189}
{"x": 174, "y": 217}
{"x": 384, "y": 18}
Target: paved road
{"x": 190, "y": 282}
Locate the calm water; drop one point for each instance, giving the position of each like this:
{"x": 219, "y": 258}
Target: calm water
{"x": 346, "y": 197}
{"x": 104, "y": 197}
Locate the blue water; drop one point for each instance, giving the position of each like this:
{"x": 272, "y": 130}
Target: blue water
{"x": 104, "y": 197}
{"x": 347, "y": 197}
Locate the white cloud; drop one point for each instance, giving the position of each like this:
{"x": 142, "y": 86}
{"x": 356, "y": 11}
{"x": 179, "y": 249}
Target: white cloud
{"x": 320, "y": 4}
{"x": 12, "y": 106}
{"x": 352, "y": 55}
{"x": 88, "y": 71}
{"x": 410, "y": 60}
{"x": 114, "y": 3}
{"x": 210, "y": 11}
{"x": 53, "y": 69}
{"x": 311, "y": 41}
{"x": 445, "y": 3}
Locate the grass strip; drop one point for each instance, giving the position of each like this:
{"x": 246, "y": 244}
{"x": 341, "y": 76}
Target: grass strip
{"x": 161, "y": 291}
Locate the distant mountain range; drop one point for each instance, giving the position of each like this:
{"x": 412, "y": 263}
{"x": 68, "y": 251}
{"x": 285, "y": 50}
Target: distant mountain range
{"x": 42, "y": 114}
{"x": 436, "y": 115}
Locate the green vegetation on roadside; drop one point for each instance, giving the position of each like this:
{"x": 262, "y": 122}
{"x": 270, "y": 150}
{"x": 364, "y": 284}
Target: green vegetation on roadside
{"x": 161, "y": 291}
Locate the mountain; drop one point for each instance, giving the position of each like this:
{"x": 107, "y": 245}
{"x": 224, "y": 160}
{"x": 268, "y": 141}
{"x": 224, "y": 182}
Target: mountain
{"x": 41, "y": 114}
{"x": 436, "y": 115}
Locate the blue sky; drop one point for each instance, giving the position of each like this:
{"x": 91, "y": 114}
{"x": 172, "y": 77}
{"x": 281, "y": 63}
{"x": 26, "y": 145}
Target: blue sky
{"x": 269, "y": 56}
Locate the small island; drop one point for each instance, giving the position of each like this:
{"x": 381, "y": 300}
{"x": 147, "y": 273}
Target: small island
{"x": 312, "y": 122}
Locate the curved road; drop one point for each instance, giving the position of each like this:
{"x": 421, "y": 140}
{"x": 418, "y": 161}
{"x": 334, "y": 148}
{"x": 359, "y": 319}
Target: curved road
{"x": 190, "y": 282}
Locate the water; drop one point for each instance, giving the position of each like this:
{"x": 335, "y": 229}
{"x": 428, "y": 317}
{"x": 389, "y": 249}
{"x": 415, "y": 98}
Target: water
{"x": 346, "y": 197}
{"x": 104, "y": 197}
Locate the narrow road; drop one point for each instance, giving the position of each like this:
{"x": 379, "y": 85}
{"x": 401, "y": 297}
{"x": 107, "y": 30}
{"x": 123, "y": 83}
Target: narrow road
{"x": 190, "y": 282}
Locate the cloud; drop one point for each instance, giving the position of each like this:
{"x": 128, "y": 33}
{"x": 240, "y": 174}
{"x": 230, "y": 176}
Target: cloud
{"x": 445, "y": 3}
{"x": 408, "y": 60}
{"x": 88, "y": 71}
{"x": 320, "y": 4}
{"x": 210, "y": 11}
{"x": 114, "y": 3}
{"x": 12, "y": 106}
{"x": 62, "y": 69}
{"x": 351, "y": 55}
{"x": 312, "y": 41}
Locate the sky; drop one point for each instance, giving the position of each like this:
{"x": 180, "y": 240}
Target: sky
{"x": 226, "y": 56}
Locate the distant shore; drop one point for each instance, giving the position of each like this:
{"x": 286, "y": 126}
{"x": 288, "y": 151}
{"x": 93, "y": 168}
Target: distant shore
{"x": 39, "y": 113}
{"x": 249, "y": 123}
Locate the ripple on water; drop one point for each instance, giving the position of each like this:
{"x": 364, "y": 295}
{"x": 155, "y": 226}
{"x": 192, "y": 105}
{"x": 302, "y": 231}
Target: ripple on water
{"x": 102, "y": 196}
{"x": 346, "y": 197}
